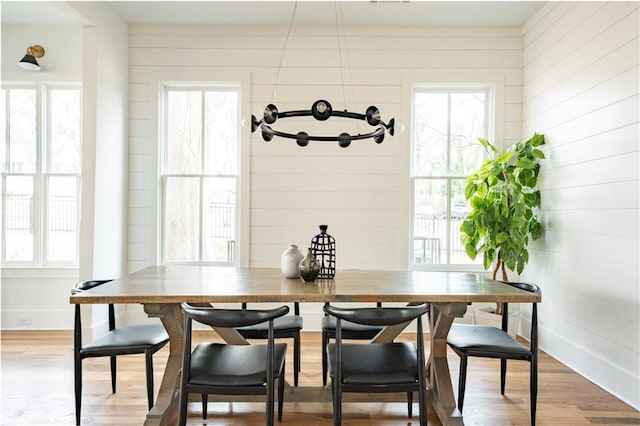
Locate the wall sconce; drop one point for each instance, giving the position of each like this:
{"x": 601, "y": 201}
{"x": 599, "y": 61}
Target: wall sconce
{"x": 29, "y": 61}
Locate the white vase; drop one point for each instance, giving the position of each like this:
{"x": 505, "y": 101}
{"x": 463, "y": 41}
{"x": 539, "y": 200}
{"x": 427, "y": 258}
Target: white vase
{"x": 290, "y": 261}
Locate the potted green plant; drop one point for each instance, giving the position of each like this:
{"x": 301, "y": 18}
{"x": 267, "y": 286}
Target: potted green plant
{"x": 502, "y": 195}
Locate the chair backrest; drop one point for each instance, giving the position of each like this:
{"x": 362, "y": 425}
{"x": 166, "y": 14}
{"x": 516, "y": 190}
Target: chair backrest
{"x": 81, "y": 286}
{"x": 77, "y": 288}
{"x": 378, "y": 316}
{"x": 231, "y": 318}
{"x": 296, "y": 307}
{"x": 531, "y": 288}
{"x": 378, "y": 304}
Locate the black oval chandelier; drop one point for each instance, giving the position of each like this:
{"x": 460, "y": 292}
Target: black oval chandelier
{"x": 322, "y": 110}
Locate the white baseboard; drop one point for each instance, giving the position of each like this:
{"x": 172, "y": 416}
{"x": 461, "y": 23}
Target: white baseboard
{"x": 54, "y": 319}
{"x": 621, "y": 383}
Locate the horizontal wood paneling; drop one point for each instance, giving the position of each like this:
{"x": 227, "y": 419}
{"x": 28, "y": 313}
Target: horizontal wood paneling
{"x": 356, "y": 191}
{"x": 604, "y": 38}
{"x": 609, "y": 66}
{"x": 581, "y": 89}
{"x": 607, "y": 144}
{"x": 616, "y": 195}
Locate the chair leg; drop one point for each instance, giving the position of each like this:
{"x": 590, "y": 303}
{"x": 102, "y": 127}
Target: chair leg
{"x": 533, "y": 389}
{"x": 280, "y": 395}
{"x": 422, "y": 399}
{"x": 78, "y": 386}
{"x": 205, "y": 401}
{"x": 336, "y": 403}
{"x": 270, "y": 399}
{"x": 503, "y": 375}
{"x": 410, "y": 404}
{"x": 182, "y": 412}
{"x": 325, "y": 342}
{"x": 148, "y": 357}
{"x": 113, "y": 374}
{"x": 461, "y": 381}
{"x": 296, "y": 358}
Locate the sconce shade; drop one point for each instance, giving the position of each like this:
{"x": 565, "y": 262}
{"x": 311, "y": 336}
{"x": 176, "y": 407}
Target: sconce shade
{"x": 29, "y": 62}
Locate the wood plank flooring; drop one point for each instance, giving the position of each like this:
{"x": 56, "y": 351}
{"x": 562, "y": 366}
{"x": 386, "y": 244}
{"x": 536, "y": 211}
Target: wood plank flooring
{"x": 37, "y": 389}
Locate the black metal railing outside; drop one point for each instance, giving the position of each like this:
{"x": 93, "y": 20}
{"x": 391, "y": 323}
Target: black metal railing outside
{"x": 62, "y": 213}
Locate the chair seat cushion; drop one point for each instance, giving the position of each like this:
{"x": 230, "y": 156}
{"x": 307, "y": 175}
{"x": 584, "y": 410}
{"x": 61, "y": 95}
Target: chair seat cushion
{"x": 132, "y": 337}
{"x": 484, "y": 340}
{"x": 329, "y": 324}
{"x": 217, "y": 364}
{"x": 285, "y": 323}
{"x": 378, "y": 363}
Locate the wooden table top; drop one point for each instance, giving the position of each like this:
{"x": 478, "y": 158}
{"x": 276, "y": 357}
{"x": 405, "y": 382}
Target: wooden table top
{"x": 205, "y": 284}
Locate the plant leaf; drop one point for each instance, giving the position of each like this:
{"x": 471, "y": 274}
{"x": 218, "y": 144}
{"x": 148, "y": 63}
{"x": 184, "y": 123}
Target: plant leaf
{"x": 536, "y": 230}
{"x": 538, "y": 153}
{"x": 505, "y": 157}
{"x": 536, "y": 140}
{"x": 470, "y": 190}
{"x": 525, "y": 163}
{"x": 487, "y": 145}
{"x": 471, "y": 251}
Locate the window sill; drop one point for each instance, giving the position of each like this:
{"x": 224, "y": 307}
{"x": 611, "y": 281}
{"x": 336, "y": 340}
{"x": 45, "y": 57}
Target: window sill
{"x": 31, "y": 272}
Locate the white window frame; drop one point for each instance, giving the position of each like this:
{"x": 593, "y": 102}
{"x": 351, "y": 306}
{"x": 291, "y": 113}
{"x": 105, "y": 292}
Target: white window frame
{"x": 41, "y": 177}
{"x": 163, "y": 151}
{"x": 491, "y": 114}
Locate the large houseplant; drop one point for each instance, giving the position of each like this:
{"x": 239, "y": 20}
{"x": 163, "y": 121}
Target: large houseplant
{"x": 503, "y": 196}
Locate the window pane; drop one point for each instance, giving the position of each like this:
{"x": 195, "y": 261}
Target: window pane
{"x": 184, "y": 127}
{"x": 219, "y": 220}
{"x": 467, "y": 125}
{"x": 22, "y": 130}
{"x": 430, "y": 134}
{"x": 64, "y": 131}
{"x": 430, "y": 221}
{"x": 3, "y": 128}
{"x": 182, "y": 219}
{"x": 62, "y": 218}
{"x": 19, "y": 218}
{"x": 459, "y": 210}
{"x": 447, "y": 125}
{"x": 221, "y": 132}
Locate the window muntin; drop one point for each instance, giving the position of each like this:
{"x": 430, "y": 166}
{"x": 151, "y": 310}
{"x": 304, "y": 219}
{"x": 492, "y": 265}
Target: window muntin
{"x": 446, "y": 126}
{"x": 200, "y": 171}
{"x": 40, "y": 160}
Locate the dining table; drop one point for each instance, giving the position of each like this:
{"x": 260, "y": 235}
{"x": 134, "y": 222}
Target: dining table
{"x": 162, "y": 289}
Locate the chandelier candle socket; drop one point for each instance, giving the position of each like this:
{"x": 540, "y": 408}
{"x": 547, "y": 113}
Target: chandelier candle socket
{"x": 322, "y": 110}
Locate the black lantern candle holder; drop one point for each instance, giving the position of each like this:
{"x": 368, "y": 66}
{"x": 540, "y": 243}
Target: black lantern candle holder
{"x": 323, "y": 247}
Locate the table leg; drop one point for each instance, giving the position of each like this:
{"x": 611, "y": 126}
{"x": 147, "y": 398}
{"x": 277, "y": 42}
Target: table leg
{"x": 165, "y": 409}
{"x": 442, "y": 397}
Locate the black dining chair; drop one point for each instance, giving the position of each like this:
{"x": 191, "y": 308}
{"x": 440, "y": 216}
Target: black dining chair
{"x": 225, "y": 369}
{"x": 377, "y": 367}
{"x": 144, "y": 339}
{"x": 350, "y": 331}
{"x": 486, "y": 341}
{"x": 286, "y": 327}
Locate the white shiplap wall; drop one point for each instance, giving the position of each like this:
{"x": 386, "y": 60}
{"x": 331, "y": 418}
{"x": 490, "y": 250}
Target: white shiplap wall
{"x": 580, "y": 88}
{"x": 362, "y": 192}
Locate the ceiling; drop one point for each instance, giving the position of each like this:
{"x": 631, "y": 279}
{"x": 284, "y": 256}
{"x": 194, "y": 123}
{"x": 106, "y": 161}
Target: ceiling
{"x": 367, "y": 13}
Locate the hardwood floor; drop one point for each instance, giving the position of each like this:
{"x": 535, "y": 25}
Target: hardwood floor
{"x": 37, "y": 389}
